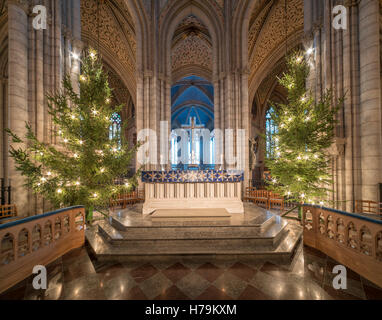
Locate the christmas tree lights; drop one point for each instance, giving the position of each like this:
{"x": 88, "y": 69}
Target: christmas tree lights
{"x": 300, "y": 166}
{"x": 68, "y": 173}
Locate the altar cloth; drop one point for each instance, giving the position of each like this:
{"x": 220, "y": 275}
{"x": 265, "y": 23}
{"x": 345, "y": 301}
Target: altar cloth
{"x": 192, "y": 176}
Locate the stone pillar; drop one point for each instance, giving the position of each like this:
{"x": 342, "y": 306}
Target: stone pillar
{"x": 18, "y": 90}
{"x": 37, "y": 62}
{"x": 338, "y": 59}
{"x": 370, "y": 112}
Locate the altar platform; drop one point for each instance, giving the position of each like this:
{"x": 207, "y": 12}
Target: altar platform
{"x": 256, "y": 234}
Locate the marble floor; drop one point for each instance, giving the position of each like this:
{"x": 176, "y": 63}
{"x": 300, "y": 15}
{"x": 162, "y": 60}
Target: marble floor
{"x": 78, "y": 276}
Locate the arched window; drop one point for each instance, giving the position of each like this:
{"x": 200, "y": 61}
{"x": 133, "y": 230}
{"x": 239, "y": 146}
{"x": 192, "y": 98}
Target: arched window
{"x": 115, "y": 127}
{"x": 270, "y": 131}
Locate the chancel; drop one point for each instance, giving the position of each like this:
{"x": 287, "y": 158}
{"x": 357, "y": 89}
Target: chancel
{"x": 190, "y": 150}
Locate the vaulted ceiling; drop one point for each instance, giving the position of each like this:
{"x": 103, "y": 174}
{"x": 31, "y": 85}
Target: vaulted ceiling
{"x": 108, "y": 25}
{"x": 271, "y": 23}
{"x": 191, "y": 48}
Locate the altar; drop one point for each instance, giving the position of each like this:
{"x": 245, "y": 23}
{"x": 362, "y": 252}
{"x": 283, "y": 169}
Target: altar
{"x": 193, "y": 189}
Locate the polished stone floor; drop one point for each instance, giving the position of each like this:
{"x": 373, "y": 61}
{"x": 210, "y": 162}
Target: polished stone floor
{"x": 77, "y": 275}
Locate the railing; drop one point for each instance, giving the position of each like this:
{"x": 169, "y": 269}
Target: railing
{"x": 38, "y": 240}
{"x": 352, "y": 239}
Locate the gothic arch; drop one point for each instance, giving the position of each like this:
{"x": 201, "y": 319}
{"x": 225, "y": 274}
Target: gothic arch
{"x": 177, "y": 12}
{"x": 116, "y": 40}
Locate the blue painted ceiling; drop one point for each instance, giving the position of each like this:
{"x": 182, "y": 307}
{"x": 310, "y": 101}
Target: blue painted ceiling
{"x": 192, "y": 97}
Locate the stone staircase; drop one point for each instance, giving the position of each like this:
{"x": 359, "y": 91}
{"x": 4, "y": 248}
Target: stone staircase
{"x": 256, "y": 234}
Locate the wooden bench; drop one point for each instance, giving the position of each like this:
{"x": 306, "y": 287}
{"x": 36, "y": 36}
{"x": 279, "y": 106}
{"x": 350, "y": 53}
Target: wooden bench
{"x": 264, "y": 198}
{"x": 249, "y": 194}
{"x": 124, "y": 199}
{"x": 367, "y": 206}
{"x": 276, "y": 200}
{"x": 8, "y": 211}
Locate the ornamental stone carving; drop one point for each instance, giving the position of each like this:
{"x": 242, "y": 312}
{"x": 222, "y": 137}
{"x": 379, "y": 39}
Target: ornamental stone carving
{"x": 117, "y": 37}
{"x": 192, "y": 51}
{"x": 268, "y": 29}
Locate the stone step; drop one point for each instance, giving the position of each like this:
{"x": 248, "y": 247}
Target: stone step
{"x": 105, "y": 250}
{"x": 145, "y": 224}
{"x": 149, "y": 237}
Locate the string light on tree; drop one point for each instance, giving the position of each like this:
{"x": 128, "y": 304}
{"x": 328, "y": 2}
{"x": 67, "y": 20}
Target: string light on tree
{"x": 75, "y": 56}
{"x": 308, "y": 131}
{"x": 310, "y": 51}
{"x": 83, "y": 145}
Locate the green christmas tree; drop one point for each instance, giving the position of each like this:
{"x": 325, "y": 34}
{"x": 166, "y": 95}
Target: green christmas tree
{"x": 82, "y": 167}
{"x": 300, "y": 163}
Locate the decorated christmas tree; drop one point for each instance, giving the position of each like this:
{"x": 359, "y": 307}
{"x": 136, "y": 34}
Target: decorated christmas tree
{"x": 81, "y": 168}
{"x": 300, "y": 163}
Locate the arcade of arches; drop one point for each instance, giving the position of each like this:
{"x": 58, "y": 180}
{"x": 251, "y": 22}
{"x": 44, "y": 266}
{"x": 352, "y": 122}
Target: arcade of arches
{"x": 226, "y": 54}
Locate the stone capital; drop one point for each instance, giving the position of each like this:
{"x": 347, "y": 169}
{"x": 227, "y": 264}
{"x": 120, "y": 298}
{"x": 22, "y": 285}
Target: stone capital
{"x": 337, "y": 149}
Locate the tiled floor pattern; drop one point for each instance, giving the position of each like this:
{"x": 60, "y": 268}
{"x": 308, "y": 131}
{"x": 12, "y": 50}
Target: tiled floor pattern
{"x": 77, "y": 275}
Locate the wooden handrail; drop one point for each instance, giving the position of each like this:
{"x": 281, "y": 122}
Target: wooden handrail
{"x": 354, "y": 240}
{"x": 38, "y": 240}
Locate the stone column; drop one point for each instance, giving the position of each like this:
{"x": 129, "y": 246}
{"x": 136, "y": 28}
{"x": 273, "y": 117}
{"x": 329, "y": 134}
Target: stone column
{"x": 18, "y": 90}
{"x": 370, "y": 112}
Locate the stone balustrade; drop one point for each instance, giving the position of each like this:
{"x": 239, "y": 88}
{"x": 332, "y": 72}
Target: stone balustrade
{"x": 38, "y": 240}
{"x": 354, "y": 240}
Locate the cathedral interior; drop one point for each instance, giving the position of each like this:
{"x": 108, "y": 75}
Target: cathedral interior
{"x": 205, "y": 64}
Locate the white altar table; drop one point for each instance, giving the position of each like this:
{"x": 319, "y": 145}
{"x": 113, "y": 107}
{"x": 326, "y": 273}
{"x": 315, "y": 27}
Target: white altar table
{"x": 207, "y": 189}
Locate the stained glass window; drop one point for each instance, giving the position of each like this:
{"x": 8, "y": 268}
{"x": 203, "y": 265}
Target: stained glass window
{"x": 270, "y": 130}
{"x": 115, "y": 127}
